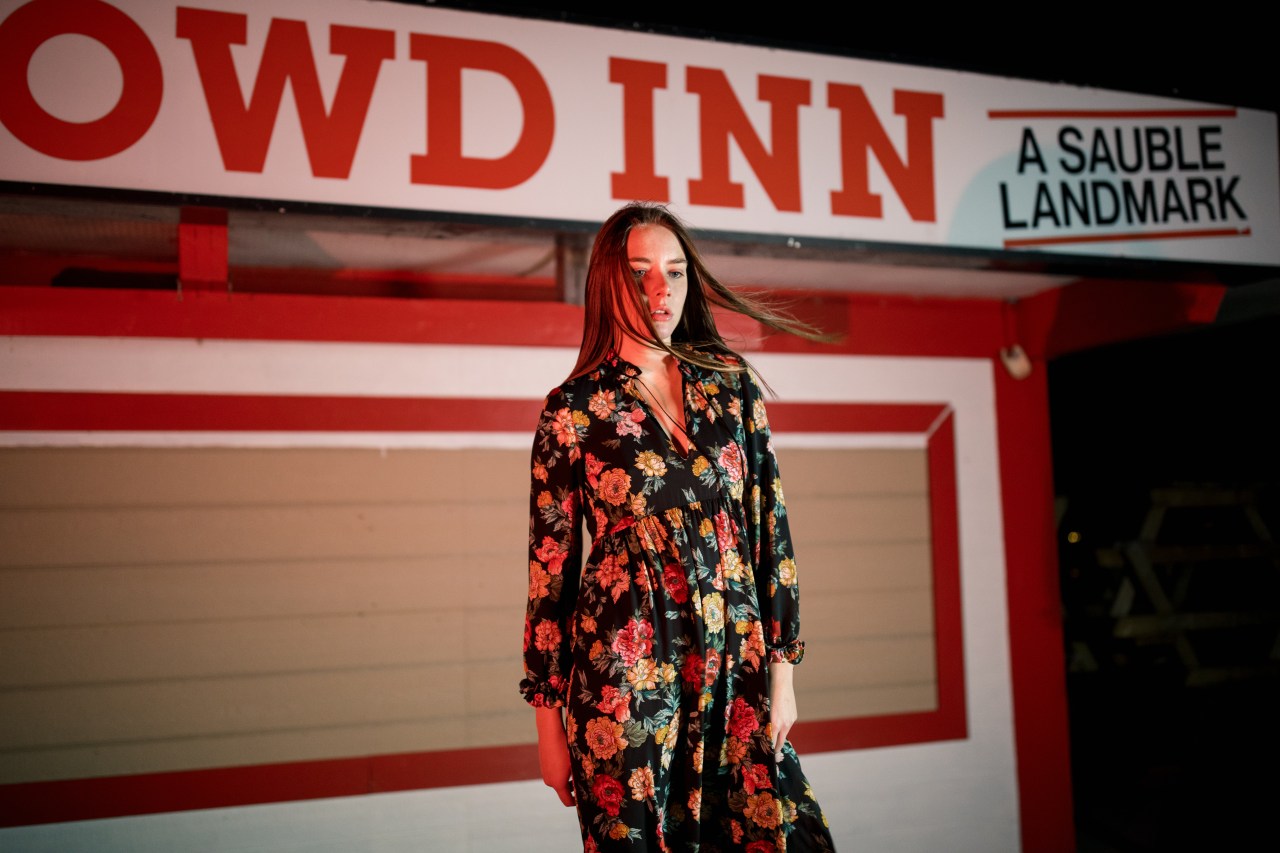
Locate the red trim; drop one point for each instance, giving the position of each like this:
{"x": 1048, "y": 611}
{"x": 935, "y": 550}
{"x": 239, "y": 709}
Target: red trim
{"x": 950, "y": 720}
{"x": 148, "y": 793}
{"x": 1128, "y": 237}
{"x": 59, "y": 410}
{"x": 1094, "y": 313}
{"x": 202, "y": 248}
{"x": 1035, "y": 613}
{"x": 1111, "y": 114}
{"x": 292, "y": 317}
{"x": 869, "y": 325}
{"x": 56, "y": 411}
{"x": 80, "y": 799}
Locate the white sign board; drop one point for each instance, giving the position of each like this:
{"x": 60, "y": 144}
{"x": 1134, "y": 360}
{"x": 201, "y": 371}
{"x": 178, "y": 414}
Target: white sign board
{"x": 387, "y": 105}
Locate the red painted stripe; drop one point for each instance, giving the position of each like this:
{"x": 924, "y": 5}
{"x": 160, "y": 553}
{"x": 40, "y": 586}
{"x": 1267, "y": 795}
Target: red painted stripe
{"x": 852, "y": 417}
{"x": 869, "y": 325}
{"x": 293, "y": 317}
{"x": 1111, "y": 114}
{"x": 116, "y": 796}
{"x": 96, "y": 411}
{"x": 948, "y": 621}
{"x": 57, "y": 410}
{"x": 1038, "y": 678}
{"x": 1128, "y": 236}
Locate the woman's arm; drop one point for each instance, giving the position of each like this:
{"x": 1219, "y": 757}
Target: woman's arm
{"x": 782, "y": 705}
{"x": 553, "y": 754}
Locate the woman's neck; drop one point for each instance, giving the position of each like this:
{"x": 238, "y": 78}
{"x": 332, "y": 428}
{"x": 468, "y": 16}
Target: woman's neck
{"x": 648, "y": 359}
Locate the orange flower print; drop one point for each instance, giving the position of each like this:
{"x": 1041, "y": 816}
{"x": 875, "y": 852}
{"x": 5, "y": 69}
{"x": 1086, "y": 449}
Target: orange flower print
{"x": 641, "y": 783}
{"x": 619, "y": 831}
{"x": 695, "y": 803}
{"x": 700, "y": 465}
{"x": 604, "y": 738}
{"x": 736, "y": 828}
{"x": 538, "y": 580}
{"x": 614, "y": 486}
{"x": 734, "y": 751}
{"x": 602, "y": 404}
{"x": 563, "y": 428}
{"x": 540, "y": 472}
{"x": 612, "y": 575}
{"x": 545, "y": 499}
{"x": 547, "y": 636}
{"x": 644, "y": 675}
{"x": 763, "y": 810}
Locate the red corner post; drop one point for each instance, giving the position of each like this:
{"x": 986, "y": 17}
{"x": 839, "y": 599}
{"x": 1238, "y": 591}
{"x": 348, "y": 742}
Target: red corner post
{"x": 202, "y": 249}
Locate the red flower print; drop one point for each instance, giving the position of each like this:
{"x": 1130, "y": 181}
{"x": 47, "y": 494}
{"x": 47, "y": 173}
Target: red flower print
{"x": 742, "y": 719}
{"x": 726, "y": 531}
{"x": 694, "y": 670}
{"x": 552, "y": 553}
{"x": 731, "y": 461}
{"x": 547, "y": 636}
{"x": 613, "y": 701}
{"x": 761, "y": 847}
{"x": 675, "y": 583}
{"x": 634, "y": 641}
{"x": 608, "y": 792}
{"x": 756, "y": 778}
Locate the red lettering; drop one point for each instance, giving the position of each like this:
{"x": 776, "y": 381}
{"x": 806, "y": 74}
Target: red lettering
{"x": 244, "y": 133}
{"x": 30, "y": 26}
{"x": 444, "y": 163}
{"x": 861, "y": 131}
{"x": 721, "y": 116}
{"x": 639, "y": 179}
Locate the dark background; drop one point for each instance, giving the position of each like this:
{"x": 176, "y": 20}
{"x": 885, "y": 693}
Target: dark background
{"x": 1159, "y": 760}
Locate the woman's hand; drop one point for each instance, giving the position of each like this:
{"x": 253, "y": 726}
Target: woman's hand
{"x": 553, "y": 754}
{"x": 782, "y": 705}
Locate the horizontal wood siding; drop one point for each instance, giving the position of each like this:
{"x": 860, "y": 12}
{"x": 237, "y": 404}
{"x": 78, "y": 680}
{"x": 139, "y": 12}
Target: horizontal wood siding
{"x": 166, "y": 609}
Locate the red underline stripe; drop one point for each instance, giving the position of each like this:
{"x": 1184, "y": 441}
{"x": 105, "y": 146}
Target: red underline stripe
{"x": 37, "y": 411}
{"x": 1131, "y": 236}
{"x": 1110, "y": 114}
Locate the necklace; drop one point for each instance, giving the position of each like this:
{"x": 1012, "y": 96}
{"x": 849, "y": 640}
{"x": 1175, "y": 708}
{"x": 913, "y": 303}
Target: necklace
{"x": 652, "y": 398}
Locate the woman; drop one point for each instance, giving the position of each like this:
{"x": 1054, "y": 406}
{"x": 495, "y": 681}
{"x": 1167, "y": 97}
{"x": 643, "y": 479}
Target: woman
{"x": 671, "y": 649}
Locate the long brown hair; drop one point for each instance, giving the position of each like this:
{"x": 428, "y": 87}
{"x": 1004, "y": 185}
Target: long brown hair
{"x": 696, "y": 339}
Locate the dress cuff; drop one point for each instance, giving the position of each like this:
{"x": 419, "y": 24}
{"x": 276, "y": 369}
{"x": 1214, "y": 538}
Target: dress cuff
{"x": 542, "y": 694}
{"x": 792, "y": 652}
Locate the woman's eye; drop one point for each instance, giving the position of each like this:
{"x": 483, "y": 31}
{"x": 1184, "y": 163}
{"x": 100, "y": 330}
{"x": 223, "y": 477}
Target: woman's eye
{"x": 676, "y": 274}
{"x": 637, "y": 274}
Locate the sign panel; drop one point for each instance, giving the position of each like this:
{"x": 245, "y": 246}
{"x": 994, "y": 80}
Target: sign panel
{"x": 387, "y": 105}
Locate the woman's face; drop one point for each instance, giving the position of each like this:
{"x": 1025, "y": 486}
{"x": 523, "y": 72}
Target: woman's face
{"x": 659, "y": 267}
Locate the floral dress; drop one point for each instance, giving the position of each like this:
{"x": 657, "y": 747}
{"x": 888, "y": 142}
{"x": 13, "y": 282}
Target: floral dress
{"x": 659, "y": 643}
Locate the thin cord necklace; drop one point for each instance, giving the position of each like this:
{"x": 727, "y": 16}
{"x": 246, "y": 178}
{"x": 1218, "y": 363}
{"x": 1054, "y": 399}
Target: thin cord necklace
{"x": 650, "y": 397}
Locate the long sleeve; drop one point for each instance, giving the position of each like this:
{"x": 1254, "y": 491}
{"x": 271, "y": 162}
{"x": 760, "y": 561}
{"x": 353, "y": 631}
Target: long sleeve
{"x": 555, "y": 519}
{"x": 777, "y": 585}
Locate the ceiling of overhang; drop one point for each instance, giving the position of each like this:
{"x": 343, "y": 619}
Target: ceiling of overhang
{"x": 80, "y": 229}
